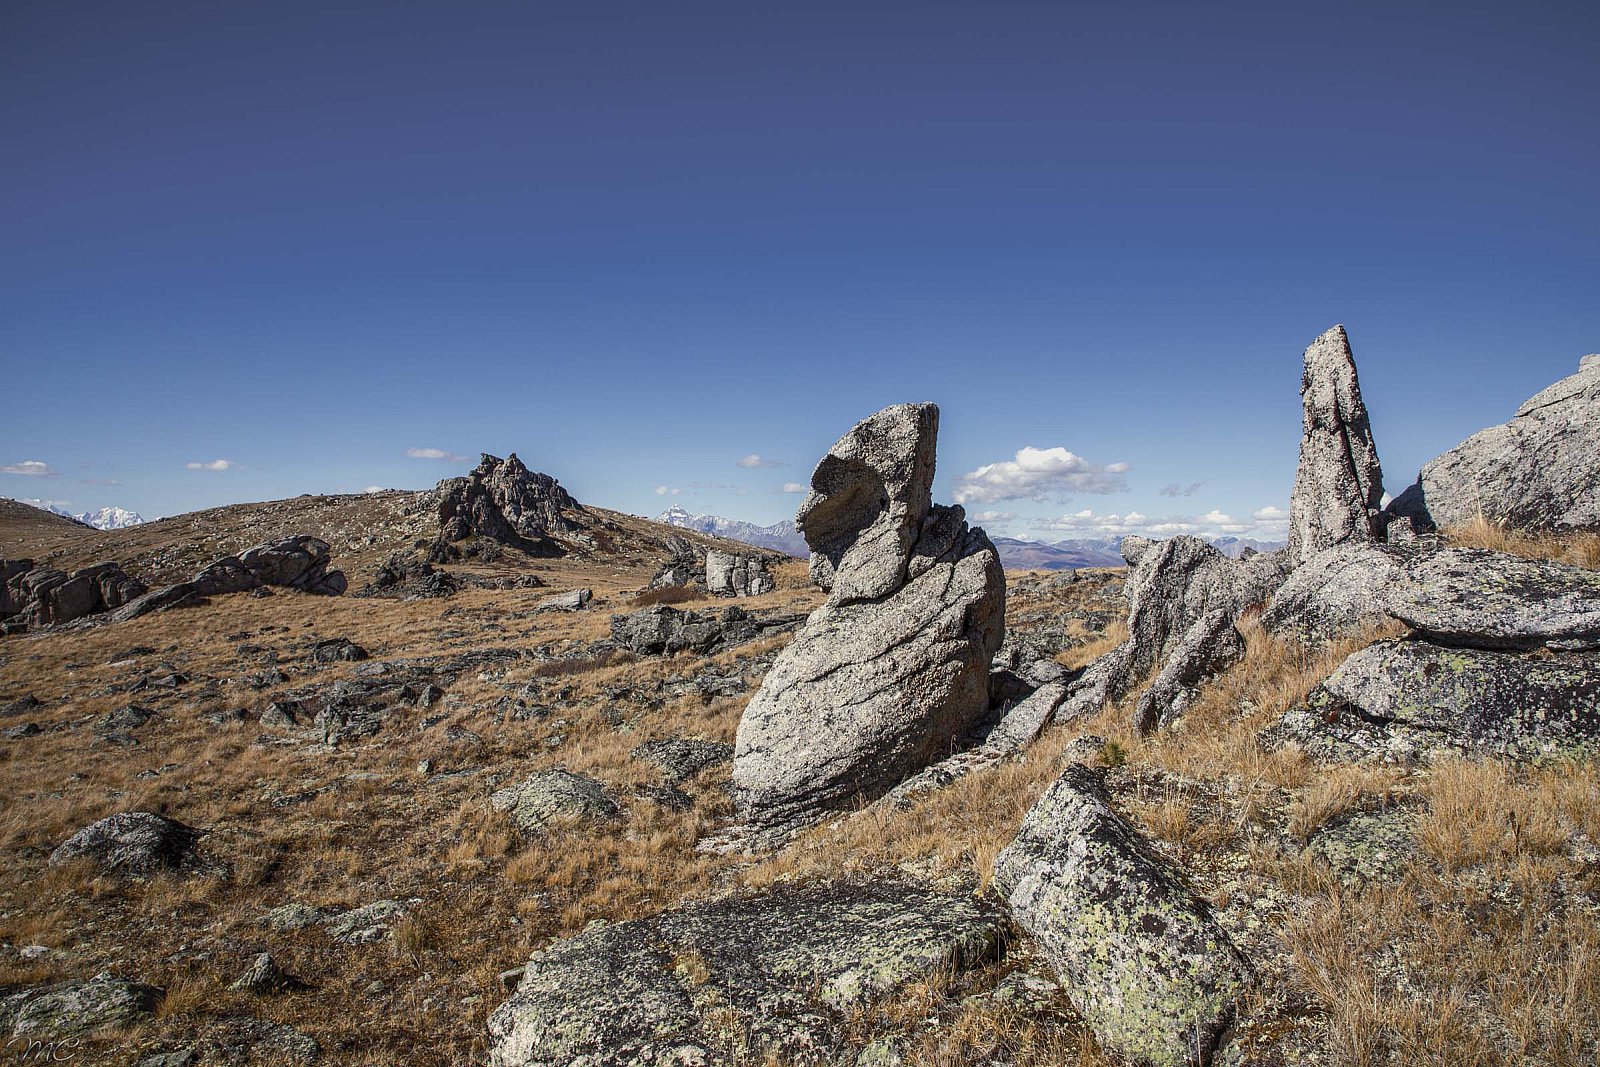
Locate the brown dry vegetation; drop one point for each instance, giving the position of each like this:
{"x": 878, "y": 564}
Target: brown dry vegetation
{"x": 1484, "y": 949}
{"x": 1581, "y": 548}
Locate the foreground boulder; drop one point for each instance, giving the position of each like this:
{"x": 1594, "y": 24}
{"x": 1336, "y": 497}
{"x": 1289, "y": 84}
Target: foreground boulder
{"x": 1337, "y": 591}
{"x": 1540, "y": 470}
{"x": 504, "y": 502}
{"x": 76, "y": 1008}
{"x": 1338, "y": 486}
{"x": 1483, "y": 599}
{"x": 1407, "y": 701}
{"x": 1141, "y": 957}
{"x": 737, "y": 980}
{"x": 894, "y": 667}
{"x": 132, "y": 843}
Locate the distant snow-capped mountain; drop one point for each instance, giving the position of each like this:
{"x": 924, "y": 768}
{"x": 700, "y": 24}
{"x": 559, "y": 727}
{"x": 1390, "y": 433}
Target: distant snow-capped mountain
{"x": 780, "y": 536}
{"x": 1019, "y": 555}
{"x": 104, "y": 519}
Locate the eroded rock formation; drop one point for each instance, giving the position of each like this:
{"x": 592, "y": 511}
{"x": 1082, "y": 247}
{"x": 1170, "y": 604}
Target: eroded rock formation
{"x": 1338, "y": 487}
{"x": 894, "y": 666}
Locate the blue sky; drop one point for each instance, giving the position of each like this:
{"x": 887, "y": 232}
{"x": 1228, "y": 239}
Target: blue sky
{"x": 637, "y": 243}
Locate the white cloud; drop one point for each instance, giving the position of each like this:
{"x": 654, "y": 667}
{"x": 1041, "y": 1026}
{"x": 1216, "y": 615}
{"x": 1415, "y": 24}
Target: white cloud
{"x": 667, "y": 490}
{"x": 994, "y": 516}
{"x": 31, "y": 468}
{"x": 99, "y": 481}
{"x": 1089, "y": 523}
{"x": 1270, "y": 514}
{"x": 373, "y": 489}
{"x": 1176, "y": 489}
{"x": 795, "y": 487}
{"x": 1037, "y": 474}
{"x": 214, "y": 465}
{"x": 753, "y": 460}
{"x": 433, "y": 453}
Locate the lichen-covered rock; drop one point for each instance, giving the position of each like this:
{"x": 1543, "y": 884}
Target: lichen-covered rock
{"x": 1141, "y": 957}
{"x": 1540, "y": 470}
{"x": 571, "y": 600}
{"x": 133, "y": 843}
{"x": 68, "y": 1009}
{"x": 364, "y": 924}
{"x": 736, "y": 980}
{"x": 239, "y": 1040}
{"x": 545, "y": 798}
{"x": 1338, "y": 590}
{"x": 1404, "y": 701}
{"x": 732, "y": 574}
{"x": 1483, "y": 599}
{"x": 43, "y": 596}
{"x": 868, "y": 498}
{"x": 1368, "y": 846}
{"x": 1338, "y": 487}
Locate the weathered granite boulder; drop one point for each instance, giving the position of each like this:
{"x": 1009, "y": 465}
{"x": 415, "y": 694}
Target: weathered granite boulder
{"x": 1483, "y": 599}
{"x": 1141, "y": 957}
{"x": 77, "y": 1008}
{"x": 1406, "y": 701}
{"x": 571, "y": 600}
{"x": 545, "y": 798}
{"x": 893, "y": 669}
{"x": 1338, "y": 487}
{"x": 736, "y": 980}
{"x": 133, "y": 843}
{"x": 1338, "y": 590}
{"x": 1540, "y": 470}
{"x": 868, "y": 498}
{"x": 731, "y": 574}
{"x": 226, "y": 575}
{"x": 505, "y": 502}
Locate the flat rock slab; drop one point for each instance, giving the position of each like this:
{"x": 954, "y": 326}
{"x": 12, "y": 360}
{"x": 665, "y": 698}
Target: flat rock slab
{"x": 1336, "y": 591}
{"x": 1141, "y": 957}
{"x": 1408, "y": 701}
{"x": 736, "y": 980}
{"x": 1368, "y": 846}
{"x": 137, "y": 843}
{"x": 1483, "y": 599}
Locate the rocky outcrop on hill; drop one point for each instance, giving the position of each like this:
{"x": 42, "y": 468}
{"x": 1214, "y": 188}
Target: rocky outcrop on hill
{"x": 1141, "y": 956}
{"x": 42, "y": 596}
{"x": 1338, "y": 487}
{"x": 549, "y": 798}
{"x": 678, "y": 989}
{"x": 1540, "y": 470}
{"x": 302, "y": 563}
{"x": 504, "y": 502}
{"x": 894, "y": 667}
{"x": 1337, "y": 591}
{"x": 662, "y": 630}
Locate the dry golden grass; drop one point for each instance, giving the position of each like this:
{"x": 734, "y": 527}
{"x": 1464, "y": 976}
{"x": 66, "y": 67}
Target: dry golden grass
{"x": 1580, "y": 548}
